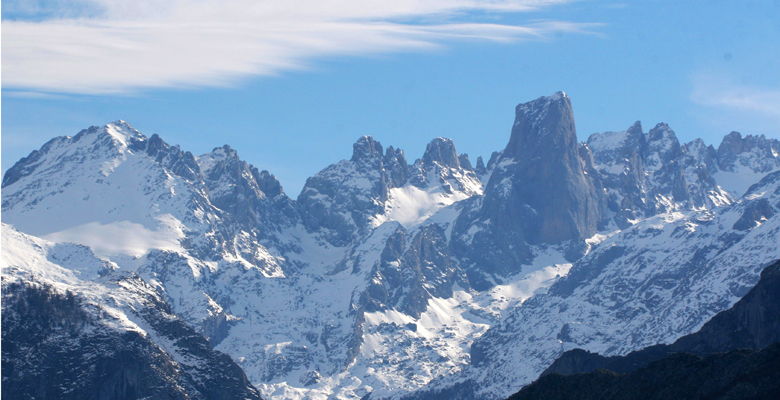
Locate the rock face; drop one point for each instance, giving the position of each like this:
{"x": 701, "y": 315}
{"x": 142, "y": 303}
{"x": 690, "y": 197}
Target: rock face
{"x": 347, "y": 199}
{"x": 756, "y": 152}
{"x": 539, "y": 192}
{"x": 409, "y": 275}
{"x": 540, "y": 174}
{"x": 744, "y": 160}
{"x": 648, "y": 173}
{"x": 113, "y": 365}
{"x": 386, "y": 275}
{"x": 731, "y": 356}
{"x": 253, "y": 198}
{"x": 341, "y": 198}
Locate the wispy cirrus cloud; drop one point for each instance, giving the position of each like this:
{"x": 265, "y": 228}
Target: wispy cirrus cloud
{"x": 725, "y": 103}
{"x": 719, "y": 92}
{"x": 114, "y": 46}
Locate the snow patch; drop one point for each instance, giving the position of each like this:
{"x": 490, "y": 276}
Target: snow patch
{"x": 739, "y": 181}
{"x": 410, "y": 205}
{"x": 123, "y": 237}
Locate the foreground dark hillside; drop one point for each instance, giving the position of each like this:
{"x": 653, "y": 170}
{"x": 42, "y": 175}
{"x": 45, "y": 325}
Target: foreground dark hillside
{"x": 736, "y": 355}
{"x": 738, "y": 374}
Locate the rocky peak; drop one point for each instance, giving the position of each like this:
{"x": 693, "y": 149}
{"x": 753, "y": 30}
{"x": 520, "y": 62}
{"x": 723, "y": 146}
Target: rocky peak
{"x": 494, "y": 156}
{"x": 218, "y": 157}
{"x": 269, "y": 184}
{"x": 441, "y": 166}
{"x": 545, "y": 174}
{"x": 341, "y": 200}
{"x": 366, "y": 150}
{"x": 396, "y": 166}
{"x": 255, "y": 197}
{"x": 649, "y": 173}
{"x": 702, "y": 154}
{"x": 480, "y": 168}
{"x": 632, "y": 140}
{"x": 540, "y": 173}
{"x": 121, "y": 131}
{"x": 542, "y": 127}
{"x": 635, "y": 129}
{"x": 181, "y": 163}
{"x": 442, "y": 151}
{"x": 226, "y": 152}
{"x": 753, "y": 151}
{"x": 465, "y": 163}
{"x": 96, "y": 143}
{"x": 662, "y": 140}
{"x": 731, "y": 145}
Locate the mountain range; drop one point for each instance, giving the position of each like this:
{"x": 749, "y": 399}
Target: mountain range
{"x": 199, "y": 277}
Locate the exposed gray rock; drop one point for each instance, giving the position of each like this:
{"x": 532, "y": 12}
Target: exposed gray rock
{"x": 442, "y": 151}
{"x": 755, "y": 151}
{"x": 409, "y": 274}
{"x": 541, "y": 171}
{"x": 251, "y": 255}
{"x": 480, "y": 169}
{"x": 648, "y": 173}
{"x": 539, "y": 174}
{"x": 340, "y": 200}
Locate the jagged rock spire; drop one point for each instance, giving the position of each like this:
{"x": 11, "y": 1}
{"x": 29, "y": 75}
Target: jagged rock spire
{"x": 367, "y": 150}
{"x": 441, "y": 150}
{"x": 547, "y": 175}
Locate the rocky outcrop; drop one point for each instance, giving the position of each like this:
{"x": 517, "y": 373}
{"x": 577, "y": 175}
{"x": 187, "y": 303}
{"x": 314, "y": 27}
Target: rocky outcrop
{"x": 538, "y": 193}
{"x": 254, "y": 199}
{"x": 347, "y": 199}
{"x": 648, "y": 173}
{"x": 442, "y": 167}
{"x": 540, "y": 174}
{"x": 735, "y": 355}
{"x": 756, "y": 152}
{"x": 341, "y": 199}
{"x": 408, "y": 275}
{"x": 382, "y": 274}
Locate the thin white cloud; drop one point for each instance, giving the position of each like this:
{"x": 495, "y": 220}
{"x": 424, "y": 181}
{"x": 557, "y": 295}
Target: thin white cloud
{"x": 722, "y": 93}
{"x": 114, "y": 46}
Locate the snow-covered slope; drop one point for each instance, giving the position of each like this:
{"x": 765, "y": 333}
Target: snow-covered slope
{"x": 109, "y": 192}
{"x": 381, "y": 275}
{"x": 439, "y": 179}
{"x": 221, "y": 241}
{"x": 744, "y": 160}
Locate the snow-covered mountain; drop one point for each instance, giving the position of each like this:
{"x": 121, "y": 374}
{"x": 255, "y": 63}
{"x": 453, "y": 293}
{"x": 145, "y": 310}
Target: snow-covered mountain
{"x": 76, "y": 326}
{"x": 651, "y": 283}
{"x": 387, "y": 278}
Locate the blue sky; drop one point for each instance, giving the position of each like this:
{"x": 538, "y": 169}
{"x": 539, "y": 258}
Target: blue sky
{"x": 293, "y": 97}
